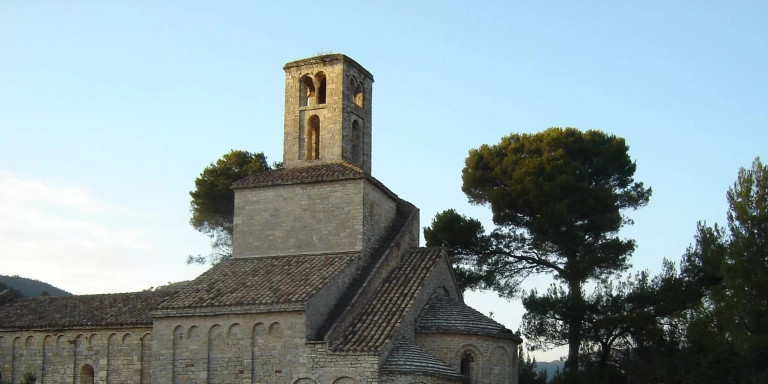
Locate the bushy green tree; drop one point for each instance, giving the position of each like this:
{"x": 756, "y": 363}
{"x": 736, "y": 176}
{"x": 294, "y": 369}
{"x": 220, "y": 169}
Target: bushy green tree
{"x": 744, "y": 299}
{"x": 721, "y": 336}
{"x": 464, "y": 238}
{"x": 730, "y": 328}
{"x": 558, "y": 199}
{"x": 213, "y": 200}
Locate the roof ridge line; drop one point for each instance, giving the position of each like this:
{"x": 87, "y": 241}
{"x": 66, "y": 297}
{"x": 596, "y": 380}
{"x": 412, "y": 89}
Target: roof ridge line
{"x": 305, "y": 254}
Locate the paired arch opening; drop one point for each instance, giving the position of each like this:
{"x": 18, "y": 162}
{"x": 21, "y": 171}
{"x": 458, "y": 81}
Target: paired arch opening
{"x": 312, "y": 89}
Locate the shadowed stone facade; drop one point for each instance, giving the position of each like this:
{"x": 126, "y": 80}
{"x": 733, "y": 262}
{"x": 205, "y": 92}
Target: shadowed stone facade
{"x": 327, "y": 283}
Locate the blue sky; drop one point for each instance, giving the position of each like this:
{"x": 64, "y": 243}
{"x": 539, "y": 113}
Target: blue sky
{"x": 109, "y": 110}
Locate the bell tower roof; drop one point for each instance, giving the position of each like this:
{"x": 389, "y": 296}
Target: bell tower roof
{"x": 327, "y": 59}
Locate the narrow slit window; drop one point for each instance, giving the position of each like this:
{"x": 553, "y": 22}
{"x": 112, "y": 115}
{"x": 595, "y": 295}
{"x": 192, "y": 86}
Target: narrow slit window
{"x": 313, "y": 138}
{"x": 357, "y": 144}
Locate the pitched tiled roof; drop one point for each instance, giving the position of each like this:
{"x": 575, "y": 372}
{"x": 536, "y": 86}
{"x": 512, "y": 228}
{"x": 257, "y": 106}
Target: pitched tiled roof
{"x": 447, "y": 315}
{"x": 83, "y": 311}
{"x": 310, "y": 174}
{"x": 407, "y": 357}
{"x": 376, "y": 324}
{"x": 299, "y": 175}
{"x": 260, "y": 281}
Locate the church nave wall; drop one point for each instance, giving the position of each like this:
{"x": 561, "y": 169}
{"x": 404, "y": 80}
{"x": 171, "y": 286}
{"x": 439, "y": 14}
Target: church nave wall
{"x": 249, "y": 348}
{"x": 79, "y": 356}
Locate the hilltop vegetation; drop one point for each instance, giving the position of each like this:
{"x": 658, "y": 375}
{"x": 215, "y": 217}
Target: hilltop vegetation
{"x": 30, "y": 287}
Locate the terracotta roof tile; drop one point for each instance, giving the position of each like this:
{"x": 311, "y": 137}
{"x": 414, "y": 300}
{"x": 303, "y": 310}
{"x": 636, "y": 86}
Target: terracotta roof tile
{"x": 407, "y": 357}
{"x": 260, "y": 280}
{"x": 376, "y": 324}
{"x": 83, "y": 311}
{"x": 447, "y": 315}
{"x": 309, "y": 174}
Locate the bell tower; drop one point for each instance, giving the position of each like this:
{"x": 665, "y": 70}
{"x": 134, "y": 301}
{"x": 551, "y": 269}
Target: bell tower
{"x": 327, "y": 112}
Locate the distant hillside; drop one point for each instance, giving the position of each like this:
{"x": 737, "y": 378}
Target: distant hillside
{"x": 30, "y": 287}
{"x": 549, "y": 366}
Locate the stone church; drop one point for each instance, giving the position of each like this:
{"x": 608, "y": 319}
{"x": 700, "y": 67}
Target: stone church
{"x": 326, "y": 284}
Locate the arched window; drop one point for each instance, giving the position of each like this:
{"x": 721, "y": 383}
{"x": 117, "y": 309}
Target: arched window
{"x": 358, "y": 95}
{"x": 86, "y": 374}
{"x": 313, "y": 138}
{"x": 320, "y": 78}
{"x": 357, "y": 143}
{"x": 306, "y": 90}
{"x": 467, "y": 368}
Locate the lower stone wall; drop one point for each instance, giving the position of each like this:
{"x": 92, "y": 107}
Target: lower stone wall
{"x": 73, "y": 356}
{"x": 222, "y": 349}
{"x": 495, "y": 360}
{"x": 250, "y": 348}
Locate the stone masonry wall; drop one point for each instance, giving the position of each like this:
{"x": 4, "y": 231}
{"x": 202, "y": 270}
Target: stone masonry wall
{"x": 336, "y": 216}
{"x": 299, "y": 219}
{"x": 250, "y": 348}
{"x": 115, "y": 355}
{"x": 378, "y": 215}
{"x": 360, "y": 114}
{"x": 495, "y": 359}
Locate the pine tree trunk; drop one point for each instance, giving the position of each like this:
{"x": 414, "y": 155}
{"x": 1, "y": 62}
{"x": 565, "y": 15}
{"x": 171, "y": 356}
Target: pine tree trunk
{"x": 574, "y": 332}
